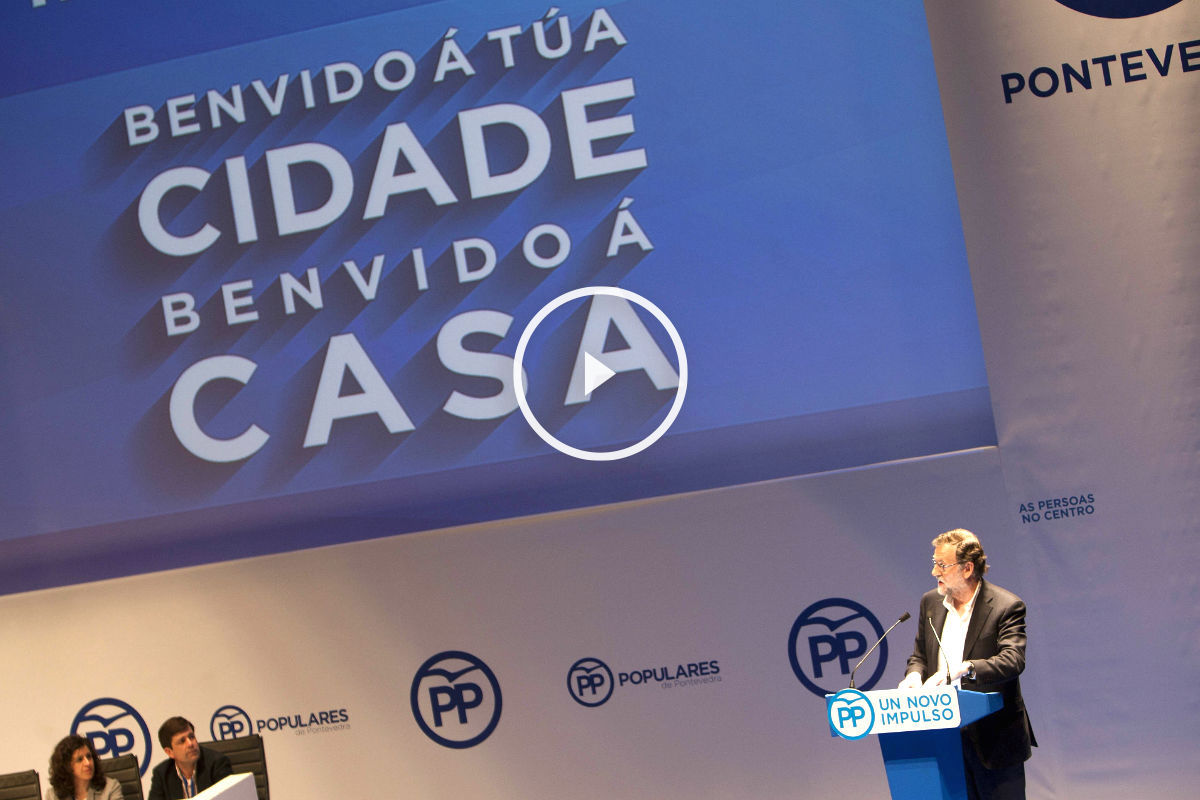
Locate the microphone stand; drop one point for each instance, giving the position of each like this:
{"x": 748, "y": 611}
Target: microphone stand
{"x": 941, "y": 649}
{"x": 903, "y": 617}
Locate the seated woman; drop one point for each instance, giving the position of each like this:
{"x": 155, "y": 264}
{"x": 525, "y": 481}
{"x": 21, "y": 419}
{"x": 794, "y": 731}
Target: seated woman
{"x": 76, "y": 774}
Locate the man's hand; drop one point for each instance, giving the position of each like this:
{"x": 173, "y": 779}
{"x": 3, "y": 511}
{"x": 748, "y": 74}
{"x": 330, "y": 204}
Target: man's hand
{"x": 939, "y": 678}
{"x": 911, "y": 681}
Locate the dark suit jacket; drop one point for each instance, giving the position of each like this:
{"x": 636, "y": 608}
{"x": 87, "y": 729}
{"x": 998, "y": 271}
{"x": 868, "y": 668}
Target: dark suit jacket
{"x": 165, "y": 783}
{"x": 995, "y": 643}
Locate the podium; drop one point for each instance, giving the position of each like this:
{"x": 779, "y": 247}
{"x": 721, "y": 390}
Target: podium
{"x": 918, "y": 733}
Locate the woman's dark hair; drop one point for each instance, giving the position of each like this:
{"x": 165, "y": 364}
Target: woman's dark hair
{"x": 62, "y": 779}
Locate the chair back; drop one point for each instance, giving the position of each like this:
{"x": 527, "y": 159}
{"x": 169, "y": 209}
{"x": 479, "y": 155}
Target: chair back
{"x": 20, "y": 786}
{"x": 247, "y": 755}
{"x": 126, "y": 770}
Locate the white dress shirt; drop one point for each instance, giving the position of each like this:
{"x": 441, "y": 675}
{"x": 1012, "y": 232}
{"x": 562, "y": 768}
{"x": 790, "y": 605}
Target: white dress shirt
{"x": 954, "y": 631}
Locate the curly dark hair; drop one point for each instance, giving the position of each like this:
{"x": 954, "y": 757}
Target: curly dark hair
{"x": 62, "y": 779}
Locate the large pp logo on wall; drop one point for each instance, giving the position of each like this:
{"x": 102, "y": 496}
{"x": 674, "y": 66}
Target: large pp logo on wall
{"x": 230, "y": 722}
{"x": 114, "y": 728}
{"x": 1118, "y": 9}
{"x": 828, "y": 638}
{"x": 456, "y": 699}
{"x": 590, "y": 682}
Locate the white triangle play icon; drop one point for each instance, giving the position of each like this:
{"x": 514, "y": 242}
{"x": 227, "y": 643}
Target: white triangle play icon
{"x": 595, "y": 373}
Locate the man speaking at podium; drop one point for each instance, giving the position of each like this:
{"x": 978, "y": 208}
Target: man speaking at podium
{"x": 982, "y": 633}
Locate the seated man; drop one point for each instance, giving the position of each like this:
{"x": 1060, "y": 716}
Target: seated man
{"x": 189, "y": 768}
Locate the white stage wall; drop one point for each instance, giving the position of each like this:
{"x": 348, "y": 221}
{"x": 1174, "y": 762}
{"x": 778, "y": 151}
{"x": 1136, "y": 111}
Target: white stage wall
{"x": 1080, "y": 214}
{"x": 717, "y": 576}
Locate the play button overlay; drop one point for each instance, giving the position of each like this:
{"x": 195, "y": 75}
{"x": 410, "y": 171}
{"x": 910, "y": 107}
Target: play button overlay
{"x": 598, "y": 368}
{"x": 594, "y": 373}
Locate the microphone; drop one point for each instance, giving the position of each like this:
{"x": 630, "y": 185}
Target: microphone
{"x": 903, "y": 617}
{"x": 941, "y": 649}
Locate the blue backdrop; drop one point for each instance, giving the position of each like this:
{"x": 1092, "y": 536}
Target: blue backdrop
{"x": 757, "y": 175}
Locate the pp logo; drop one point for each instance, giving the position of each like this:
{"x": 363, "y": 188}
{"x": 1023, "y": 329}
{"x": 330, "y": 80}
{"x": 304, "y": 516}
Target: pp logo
{"x": 1118, "y": 9}
{"x": 229, "y": 722}
{"x": 850, "y": 714}
{"x": 828, "y": 638}
{"x": 590, "y": 682}
{"x": 114, "y": 728}
{"x": 456, "y": 699}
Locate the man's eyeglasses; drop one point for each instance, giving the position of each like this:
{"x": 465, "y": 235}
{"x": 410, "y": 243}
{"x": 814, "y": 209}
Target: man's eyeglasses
{"x": 940, "y": 567}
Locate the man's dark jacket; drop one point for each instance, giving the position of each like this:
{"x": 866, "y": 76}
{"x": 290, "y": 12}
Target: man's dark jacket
{"x": 996, "y": 644}
{"x": 165, "y": 783}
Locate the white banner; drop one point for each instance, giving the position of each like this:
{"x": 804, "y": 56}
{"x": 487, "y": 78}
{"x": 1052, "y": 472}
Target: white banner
{"x": 854, "y": 714}
{"x": 1073, "y": 136}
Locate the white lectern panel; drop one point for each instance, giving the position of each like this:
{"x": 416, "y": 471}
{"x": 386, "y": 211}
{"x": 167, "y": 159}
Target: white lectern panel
{"x": 233, "y": 787}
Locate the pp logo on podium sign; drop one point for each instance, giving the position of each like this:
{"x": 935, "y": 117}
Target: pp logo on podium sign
{"x": 851, "y": 714}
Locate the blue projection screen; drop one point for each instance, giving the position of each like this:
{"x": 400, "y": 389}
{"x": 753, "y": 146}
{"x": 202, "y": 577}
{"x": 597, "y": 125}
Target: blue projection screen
{"x": 265, "y": 269}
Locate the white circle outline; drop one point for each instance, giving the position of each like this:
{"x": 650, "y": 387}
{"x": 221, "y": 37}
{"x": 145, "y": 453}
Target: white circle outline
{"x": 519, "y": 382}
{"x": 836, "y": 699}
